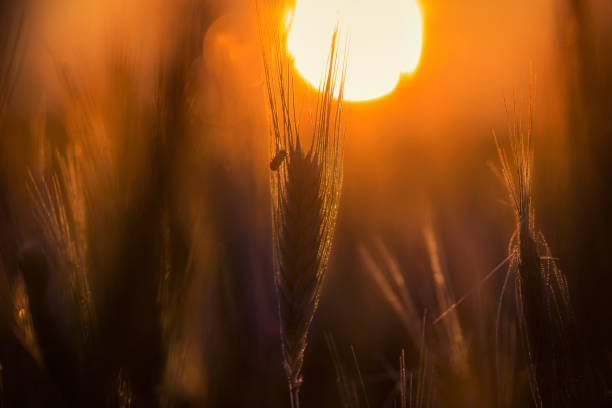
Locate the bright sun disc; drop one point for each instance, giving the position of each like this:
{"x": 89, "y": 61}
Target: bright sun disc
{"x": 384, "y": 40}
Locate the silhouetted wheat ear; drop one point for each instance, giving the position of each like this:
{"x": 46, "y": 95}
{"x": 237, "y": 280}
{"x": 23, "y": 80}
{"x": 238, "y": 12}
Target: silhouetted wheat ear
{"x": 300, "y": 268}
{"x": 542, "y": 298}
{"x": 305, "y": 188}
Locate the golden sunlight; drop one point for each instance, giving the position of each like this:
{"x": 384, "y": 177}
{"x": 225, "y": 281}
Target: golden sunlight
{"x": 384, "y": 40}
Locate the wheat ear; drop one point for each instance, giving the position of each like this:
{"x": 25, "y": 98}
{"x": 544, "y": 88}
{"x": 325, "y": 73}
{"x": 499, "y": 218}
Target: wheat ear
{"x": 305, "y": 191}
{"x": 542, "y": 298}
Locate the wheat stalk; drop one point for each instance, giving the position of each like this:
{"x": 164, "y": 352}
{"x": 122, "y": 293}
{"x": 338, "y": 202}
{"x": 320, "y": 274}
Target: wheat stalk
{"x": 305, "y": 189}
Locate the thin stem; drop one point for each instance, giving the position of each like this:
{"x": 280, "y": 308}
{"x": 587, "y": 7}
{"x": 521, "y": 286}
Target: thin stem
{"x": 294, "y": 395}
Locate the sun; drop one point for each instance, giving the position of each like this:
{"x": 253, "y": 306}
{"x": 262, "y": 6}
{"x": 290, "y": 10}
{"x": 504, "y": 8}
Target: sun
{"x": 384, "y": 41}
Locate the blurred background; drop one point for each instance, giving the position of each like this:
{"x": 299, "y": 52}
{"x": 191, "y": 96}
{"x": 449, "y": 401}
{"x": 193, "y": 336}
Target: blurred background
{"x": 134, "y": 167}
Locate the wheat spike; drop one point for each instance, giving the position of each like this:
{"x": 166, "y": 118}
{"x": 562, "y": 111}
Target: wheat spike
{"x": 542, "y": 297}
{"x": 305, "y": 191}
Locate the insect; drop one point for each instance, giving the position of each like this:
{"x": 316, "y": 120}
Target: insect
{"x": 278, "y": 160}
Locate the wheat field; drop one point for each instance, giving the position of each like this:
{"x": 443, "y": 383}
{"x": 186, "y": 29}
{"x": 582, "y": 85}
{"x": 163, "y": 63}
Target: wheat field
{"x": 189, "y": 219}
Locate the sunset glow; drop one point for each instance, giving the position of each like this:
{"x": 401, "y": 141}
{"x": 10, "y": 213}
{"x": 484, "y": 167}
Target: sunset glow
{"x": 384, "y": 40}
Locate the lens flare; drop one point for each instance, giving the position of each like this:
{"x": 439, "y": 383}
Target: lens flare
{"x": 384, "y": 39}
